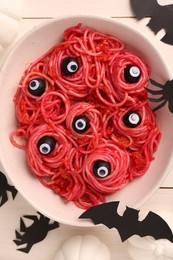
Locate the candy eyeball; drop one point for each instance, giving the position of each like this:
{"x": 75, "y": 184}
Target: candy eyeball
{"x": 46, "y": 144}
{"x": 69, "y": 66}
{"x": 80, "y": 124}
{"x": 36, "y": 87}
{"x": 132, "y": 74}
{"x": 101, "y": 168}
{"x": 132, "y": 119}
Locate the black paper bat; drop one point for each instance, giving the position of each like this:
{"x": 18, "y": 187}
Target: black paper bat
{"x": 128, "y": 224}
{"x": 4, "y": 188}
{"x": 34, "y": 233}
{"x": 165, "y": 93}
{"x": 161, "y": 16}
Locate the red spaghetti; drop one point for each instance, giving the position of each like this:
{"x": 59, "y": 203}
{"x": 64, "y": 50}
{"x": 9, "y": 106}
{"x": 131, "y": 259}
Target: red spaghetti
{"x": 84, "y": 117}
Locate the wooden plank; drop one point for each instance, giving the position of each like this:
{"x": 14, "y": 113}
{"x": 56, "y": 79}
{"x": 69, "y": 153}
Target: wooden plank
{"x": 162, "y": 201}
{"x": 53, "y": 8}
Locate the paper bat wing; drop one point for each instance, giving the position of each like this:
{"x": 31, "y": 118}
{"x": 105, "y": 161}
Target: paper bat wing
{"x": 155, "y": 226}
{"x": 143, "y": 8}
{"x": 168, "y": 37}
{"x": 103, "y": 214}
{"x": 161, "y": 16}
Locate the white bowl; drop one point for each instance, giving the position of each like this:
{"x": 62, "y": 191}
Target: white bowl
{"x": 32, "y": 45}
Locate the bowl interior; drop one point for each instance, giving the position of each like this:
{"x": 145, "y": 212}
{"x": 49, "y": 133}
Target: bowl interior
{"x": 30, "y": 47}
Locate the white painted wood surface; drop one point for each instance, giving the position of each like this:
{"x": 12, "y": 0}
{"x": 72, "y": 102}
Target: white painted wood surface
{"x": 35, "y": 12}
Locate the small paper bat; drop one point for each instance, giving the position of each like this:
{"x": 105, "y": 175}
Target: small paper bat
{"x": 35, "y": 233}
{"x": 128, "y": 224}
{"x": 161, "y": 16}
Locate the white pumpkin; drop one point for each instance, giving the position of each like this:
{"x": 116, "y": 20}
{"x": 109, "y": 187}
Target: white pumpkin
{"x": 10, "y": 16}
{"x": 147, "y": 248}
{"x": 82, "y": 247}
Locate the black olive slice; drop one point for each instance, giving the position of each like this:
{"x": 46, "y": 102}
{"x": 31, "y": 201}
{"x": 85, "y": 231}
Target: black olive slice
{"x": 46, "y": 144}
{"x": 36, "y": 87}
{"x": 132, "y": 119}
{"x": 69, "y": 66}
{"x": 101, "y": 168}
{"x": 80, "y": 124}
{"x": 132, "y": 74}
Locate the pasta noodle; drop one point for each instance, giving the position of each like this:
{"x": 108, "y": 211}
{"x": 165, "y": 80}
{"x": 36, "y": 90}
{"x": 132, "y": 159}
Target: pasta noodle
{"x": 119, "y": 163}
{"x": 84, "y": 119}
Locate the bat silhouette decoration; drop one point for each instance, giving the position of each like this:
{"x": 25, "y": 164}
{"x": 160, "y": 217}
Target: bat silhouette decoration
{"x": 4, "y": 188}
{"x": 165, "y": 93}
{"x": 128, "y": 224}
{"x": 161, "y": 17}
{"x": 34, "y": 233}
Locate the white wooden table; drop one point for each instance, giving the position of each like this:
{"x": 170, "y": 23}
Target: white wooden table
{"x": 35, "y": 12}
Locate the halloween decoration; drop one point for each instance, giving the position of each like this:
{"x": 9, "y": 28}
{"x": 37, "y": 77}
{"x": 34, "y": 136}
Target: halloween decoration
{"x": 147, "y": 248}
{"x": 4, "y": 188}
{"x": 165, "y": 94}
{"x": 10, "y": 16}
{"x": 82, "y": 247}
{"x": 34, "y": 233}
{"x": 161, "y": 16}
{"x": 128, "y": 224}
